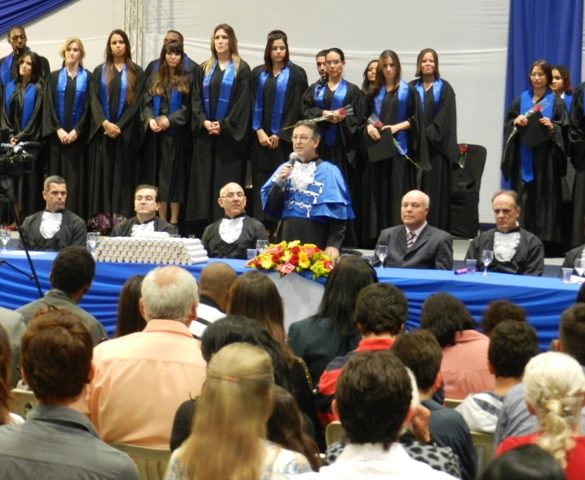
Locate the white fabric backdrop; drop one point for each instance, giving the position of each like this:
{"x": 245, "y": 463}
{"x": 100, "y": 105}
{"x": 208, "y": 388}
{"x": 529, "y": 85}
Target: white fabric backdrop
{"x": 470, "y": 36}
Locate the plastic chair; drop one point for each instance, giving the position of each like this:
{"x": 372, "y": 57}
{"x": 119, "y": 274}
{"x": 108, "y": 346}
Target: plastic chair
{"x": 151, "y": 462}
{"x": 333, "y": 432}
{"x": 484, "y": 447}
{"x": 22, "y": 401}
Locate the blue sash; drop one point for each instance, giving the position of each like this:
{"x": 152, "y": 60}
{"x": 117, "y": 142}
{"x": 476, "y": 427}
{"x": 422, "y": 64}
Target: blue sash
{"x": 174, "y": 104}
{"x": 78, "y": 103}
{"x": 437, "y": 90}
{"x": 30, "y": 95}
{"x": 337, "y": 102}
{"x": 225, "y": 91}
{"x": 526, "y": 160}
{"x": 104, "y": 94}
{"x": 5, "y": 69}
{"x": 403, "y": 93}
{"x": 278, "y": 107}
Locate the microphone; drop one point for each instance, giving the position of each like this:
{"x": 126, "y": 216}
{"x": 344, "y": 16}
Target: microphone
{"x": 292, "y": 158}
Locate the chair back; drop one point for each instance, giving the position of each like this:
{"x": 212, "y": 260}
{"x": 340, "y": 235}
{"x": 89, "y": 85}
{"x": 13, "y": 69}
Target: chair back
{"x": 452, "y": 402}
{"x": 333, "y": 432}
{"x": 151, "y": 462}
{"x": 484, "y": 448}
{"x": 23, "y": 401}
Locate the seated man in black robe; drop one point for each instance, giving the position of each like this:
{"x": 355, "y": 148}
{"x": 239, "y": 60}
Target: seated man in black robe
{"x": 231, "y": 236}
{"x": 146, "y": 204}
{"x": 309, "y": 195}
{"x": 415, "y": 244}
{"x": 515, "y": 250}
{"x": 54, "y": 227}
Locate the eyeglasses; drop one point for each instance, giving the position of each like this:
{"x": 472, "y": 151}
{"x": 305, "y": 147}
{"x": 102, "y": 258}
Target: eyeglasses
{"x": 301, "y": 138}
{"x": 234, "y": 195}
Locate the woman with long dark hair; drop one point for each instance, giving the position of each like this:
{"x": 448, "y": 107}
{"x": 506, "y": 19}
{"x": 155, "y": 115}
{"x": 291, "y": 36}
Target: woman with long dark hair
{"x": 116, "y": 98}
{"x": 65, "y": 116}
{"x": 167, "y": 113}
{"x": 278, "y": 86}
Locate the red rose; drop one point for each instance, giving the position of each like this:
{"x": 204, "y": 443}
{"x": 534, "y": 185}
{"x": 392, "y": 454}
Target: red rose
{"x": 463, "y": 149}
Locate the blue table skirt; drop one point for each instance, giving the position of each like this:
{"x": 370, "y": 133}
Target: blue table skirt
{"x": 544, "y": 299}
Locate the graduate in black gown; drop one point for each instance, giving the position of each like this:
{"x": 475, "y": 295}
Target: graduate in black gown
{"x": 440, "y": 119}
{"x": 167, "y": 113}
{"x": 21, "y": 122}
{"x": 577, "y": 149}
{"x": 534, "y": 159}
{"x": 339, "y": 132}
{"x": 189, "y": 66}
{"x": 17, "y": 39}
{"x": 389, "y": 175}
{"x": 65, "y": 122}
{"x": 278, "y": 86}
{"x": 115, "y": 134}
{"x": 221, "y": 105}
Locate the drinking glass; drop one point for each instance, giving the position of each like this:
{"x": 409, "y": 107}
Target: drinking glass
{"x": 486, "y": 257}
{"x": 382, "y": 253}
{"x": 579, "y": 266}
{"x": 261, "y": 245}
{"x": 5, "y": 238}
{"x": 92, "y": 241}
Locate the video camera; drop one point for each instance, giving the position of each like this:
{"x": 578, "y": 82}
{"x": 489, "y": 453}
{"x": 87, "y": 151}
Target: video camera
{"x": 16, "y": 160}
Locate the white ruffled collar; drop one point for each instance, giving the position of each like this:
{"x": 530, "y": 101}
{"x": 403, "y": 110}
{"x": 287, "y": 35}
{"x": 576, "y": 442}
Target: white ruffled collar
{"x": 230, "y": 229}
{"x": 302, "y": 175}
{"x": 50, "y": 224}
{"x": 506, "y": 245}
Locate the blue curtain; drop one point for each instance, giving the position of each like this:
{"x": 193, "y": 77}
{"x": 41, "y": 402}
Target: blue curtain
{"x": 547, "y": 29}
{"x": 20, "y": 12}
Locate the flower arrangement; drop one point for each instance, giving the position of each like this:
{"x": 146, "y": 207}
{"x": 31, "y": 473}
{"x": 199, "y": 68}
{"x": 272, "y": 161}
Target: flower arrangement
{"x": 291, "y": 257}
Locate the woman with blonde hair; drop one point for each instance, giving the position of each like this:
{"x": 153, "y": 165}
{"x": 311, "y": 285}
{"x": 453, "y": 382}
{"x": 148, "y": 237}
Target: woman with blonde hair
{"x": 555, "y": 389}
{"x": 227, "y": 441}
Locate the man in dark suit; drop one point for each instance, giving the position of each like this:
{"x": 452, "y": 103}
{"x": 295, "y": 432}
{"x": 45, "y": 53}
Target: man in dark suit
{"x": 415, "y": 244}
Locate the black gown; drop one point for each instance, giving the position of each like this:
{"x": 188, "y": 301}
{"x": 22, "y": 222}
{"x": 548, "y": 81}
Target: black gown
{"x": 27, "y": 187}
{"x": 540, "y": 199}
{"x": 67, "y": 161}
{"x": 344, "y": 151}
{"x": 441, "y": 132}
{"x": 264, "y": 160}
{"x": 217, "y": 159}
{"x": 167, "y": 154}
{"x": 388, "y": 180}
{"x": 577, "y": 149}
{"x": 113, "y": 167}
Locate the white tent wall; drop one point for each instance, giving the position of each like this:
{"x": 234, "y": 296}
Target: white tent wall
{"x": 470, "y": 37}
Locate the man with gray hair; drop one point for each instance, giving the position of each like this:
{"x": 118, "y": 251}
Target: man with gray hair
{"x": 416, "y": 244}
{"x": 142, "y": 378}
{"x": 55, "y": 227}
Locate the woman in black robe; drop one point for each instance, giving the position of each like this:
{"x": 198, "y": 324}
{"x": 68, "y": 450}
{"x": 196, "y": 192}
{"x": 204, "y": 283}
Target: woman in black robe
{"x": 534, "y": 159}
{"x": 278, "y": 86}
{"x": 21, "y": 122}
{"x": 440, "y": 120}
{"x": 116, "y": 96}
{"x": 221, "y": 104}
{"x": 65, "y": 115}
{"x": 167, "y": 110}
{"x": 394, "y": 110}
{"x": 577, "y": 149}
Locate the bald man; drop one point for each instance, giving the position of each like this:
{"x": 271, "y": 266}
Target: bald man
{"x": 415, "y": 244}
{"x": 214, "y": 286}
{"x": 231, "y": 236}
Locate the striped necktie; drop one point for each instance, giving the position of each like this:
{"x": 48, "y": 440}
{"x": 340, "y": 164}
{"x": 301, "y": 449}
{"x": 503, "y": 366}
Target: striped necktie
{"x": 410, "y": 239}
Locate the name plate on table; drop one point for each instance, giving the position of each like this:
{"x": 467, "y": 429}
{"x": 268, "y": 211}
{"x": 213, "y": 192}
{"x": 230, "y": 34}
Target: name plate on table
{"x": 165, "y": 251}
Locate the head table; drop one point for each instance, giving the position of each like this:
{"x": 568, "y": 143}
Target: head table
{"x": 543, "y": 298}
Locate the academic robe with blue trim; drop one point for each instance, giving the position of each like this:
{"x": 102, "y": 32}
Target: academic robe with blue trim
{"x": 265, "y": 160}
{"x": 540, "y": 199}
{"x": 113, "y": 166}
{"x": 67, "y": 161}
{"x": 441, "y": 131}
{"x": 167, "y": 154}
{"x": 217, "y": 159}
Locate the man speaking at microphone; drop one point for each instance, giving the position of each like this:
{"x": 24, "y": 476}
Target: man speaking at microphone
{"x": 308, "y": 195}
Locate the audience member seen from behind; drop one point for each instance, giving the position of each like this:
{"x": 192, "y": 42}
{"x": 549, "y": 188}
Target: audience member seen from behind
{"x": 130, "y": 318}
{"x": 332, "y": 332}
{"x": 528, "y": 462}
{"x": 369, "y": 384}
{"x": 235, "y": 404}
{"x": 555, "y": 390}
{"x": 57, "y": 440}
{"x": 6, "y": 417}
{"x": 421, "y": 353}
{"x": 464, "y": 365}
{"x": 512, "y": 345}
{"x": 380, "y": 313}
{"x": 499, "y": 311}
